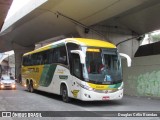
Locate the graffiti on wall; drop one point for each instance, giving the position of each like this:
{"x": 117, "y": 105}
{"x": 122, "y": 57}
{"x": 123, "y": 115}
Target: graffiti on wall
{"x": 147, "y": 84}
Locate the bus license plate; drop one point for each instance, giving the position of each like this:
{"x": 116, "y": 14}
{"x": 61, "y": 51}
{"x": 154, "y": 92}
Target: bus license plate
{"x": 105, "y": 98}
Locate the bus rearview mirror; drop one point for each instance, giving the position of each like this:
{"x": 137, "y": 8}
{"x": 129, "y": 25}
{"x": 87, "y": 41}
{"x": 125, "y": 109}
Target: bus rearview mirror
{"x": 127, "y": 57}
{"x": 81, "y": 54}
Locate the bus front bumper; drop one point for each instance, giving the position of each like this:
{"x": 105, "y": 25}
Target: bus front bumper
{"x": 87, "y": 95}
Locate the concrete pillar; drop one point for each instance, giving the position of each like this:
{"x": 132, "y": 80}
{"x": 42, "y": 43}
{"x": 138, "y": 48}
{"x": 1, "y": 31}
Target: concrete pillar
{"x": 19, "y": 51}
{"x": 128, "y": 47}
{"x": 18, "y": 60}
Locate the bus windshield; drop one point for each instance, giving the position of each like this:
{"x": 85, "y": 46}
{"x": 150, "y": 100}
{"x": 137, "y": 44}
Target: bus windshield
{"x": 103, "y": 66}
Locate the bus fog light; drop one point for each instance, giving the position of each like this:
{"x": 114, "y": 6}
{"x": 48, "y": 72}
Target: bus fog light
{"x": 86, "y": 95}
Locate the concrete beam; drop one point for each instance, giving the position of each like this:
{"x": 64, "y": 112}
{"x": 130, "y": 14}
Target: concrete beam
{"x": 89, "y": 33}
{"x": 111, "y": 35}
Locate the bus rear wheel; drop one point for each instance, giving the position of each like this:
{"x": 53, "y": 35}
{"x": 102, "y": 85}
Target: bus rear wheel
{"x": 31, "y": 89}
{"x": 28, "y": 87}
{"x": 64, "y": 92}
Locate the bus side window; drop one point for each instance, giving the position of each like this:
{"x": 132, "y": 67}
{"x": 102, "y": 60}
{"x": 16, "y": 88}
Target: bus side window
{"x": 29, "y": 62}
{"x": 34, "y": 59}
{"x": 45, "y": 57}
{"x": 61, "y": 55}
{"x": 55, "y": 55}
{"x": 40, "y": 59}
{"x": 50, "y": 56}
{"x": 71, "y": 46}
{"x": 24, "y": 60}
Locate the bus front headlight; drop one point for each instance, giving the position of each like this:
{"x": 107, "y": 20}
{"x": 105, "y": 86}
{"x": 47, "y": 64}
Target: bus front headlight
{"x": 86, "y": 87}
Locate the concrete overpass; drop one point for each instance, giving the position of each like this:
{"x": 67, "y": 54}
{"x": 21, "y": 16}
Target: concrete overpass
{"x": 4, "y": 7}
{"x": 111, "y": 20}
{"x": 44, "y": 19}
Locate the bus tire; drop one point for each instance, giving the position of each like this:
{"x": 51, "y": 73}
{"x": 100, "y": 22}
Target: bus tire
{"x": 64, "y": 93}
{"x": 31, "y": 89}
{"x": 28, "y": 85}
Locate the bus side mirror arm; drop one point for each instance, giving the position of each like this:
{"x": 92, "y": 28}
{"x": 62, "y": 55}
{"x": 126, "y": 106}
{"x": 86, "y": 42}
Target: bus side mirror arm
{"x": 127, "y": 57}
{"x": 81, "y": 54}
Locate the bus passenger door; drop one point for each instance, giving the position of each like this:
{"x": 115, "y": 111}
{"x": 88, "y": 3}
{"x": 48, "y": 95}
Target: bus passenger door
{"x": 76, "y": 72}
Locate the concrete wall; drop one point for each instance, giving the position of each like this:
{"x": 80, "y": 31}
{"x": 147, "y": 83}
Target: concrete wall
{"x": 143, "y": 78}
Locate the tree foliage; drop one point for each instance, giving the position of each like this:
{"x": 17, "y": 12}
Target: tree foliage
{"x": 156, "y": 38}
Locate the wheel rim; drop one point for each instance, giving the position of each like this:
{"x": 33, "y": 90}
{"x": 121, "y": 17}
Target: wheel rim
{"x": 64, "y": 95}
{"x": 28, "y": 87}
{"x": 31, "y": 87}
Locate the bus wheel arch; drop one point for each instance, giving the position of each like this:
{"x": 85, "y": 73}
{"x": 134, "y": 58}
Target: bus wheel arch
{"x": 64, "y": 93}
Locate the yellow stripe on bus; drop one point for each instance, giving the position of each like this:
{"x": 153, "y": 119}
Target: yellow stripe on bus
{"x": 91, "y": 42}
{"x": 98, "y": 87}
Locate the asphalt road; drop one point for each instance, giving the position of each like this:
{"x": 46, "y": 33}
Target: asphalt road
{"x": 21, "y": 100}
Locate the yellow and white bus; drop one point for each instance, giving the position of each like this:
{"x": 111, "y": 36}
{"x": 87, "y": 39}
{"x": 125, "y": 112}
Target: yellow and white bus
{"x": 84, "y": 69}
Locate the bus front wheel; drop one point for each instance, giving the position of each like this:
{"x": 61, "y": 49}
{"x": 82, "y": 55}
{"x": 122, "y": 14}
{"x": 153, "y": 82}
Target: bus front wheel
{"x": 64, "y": 92}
